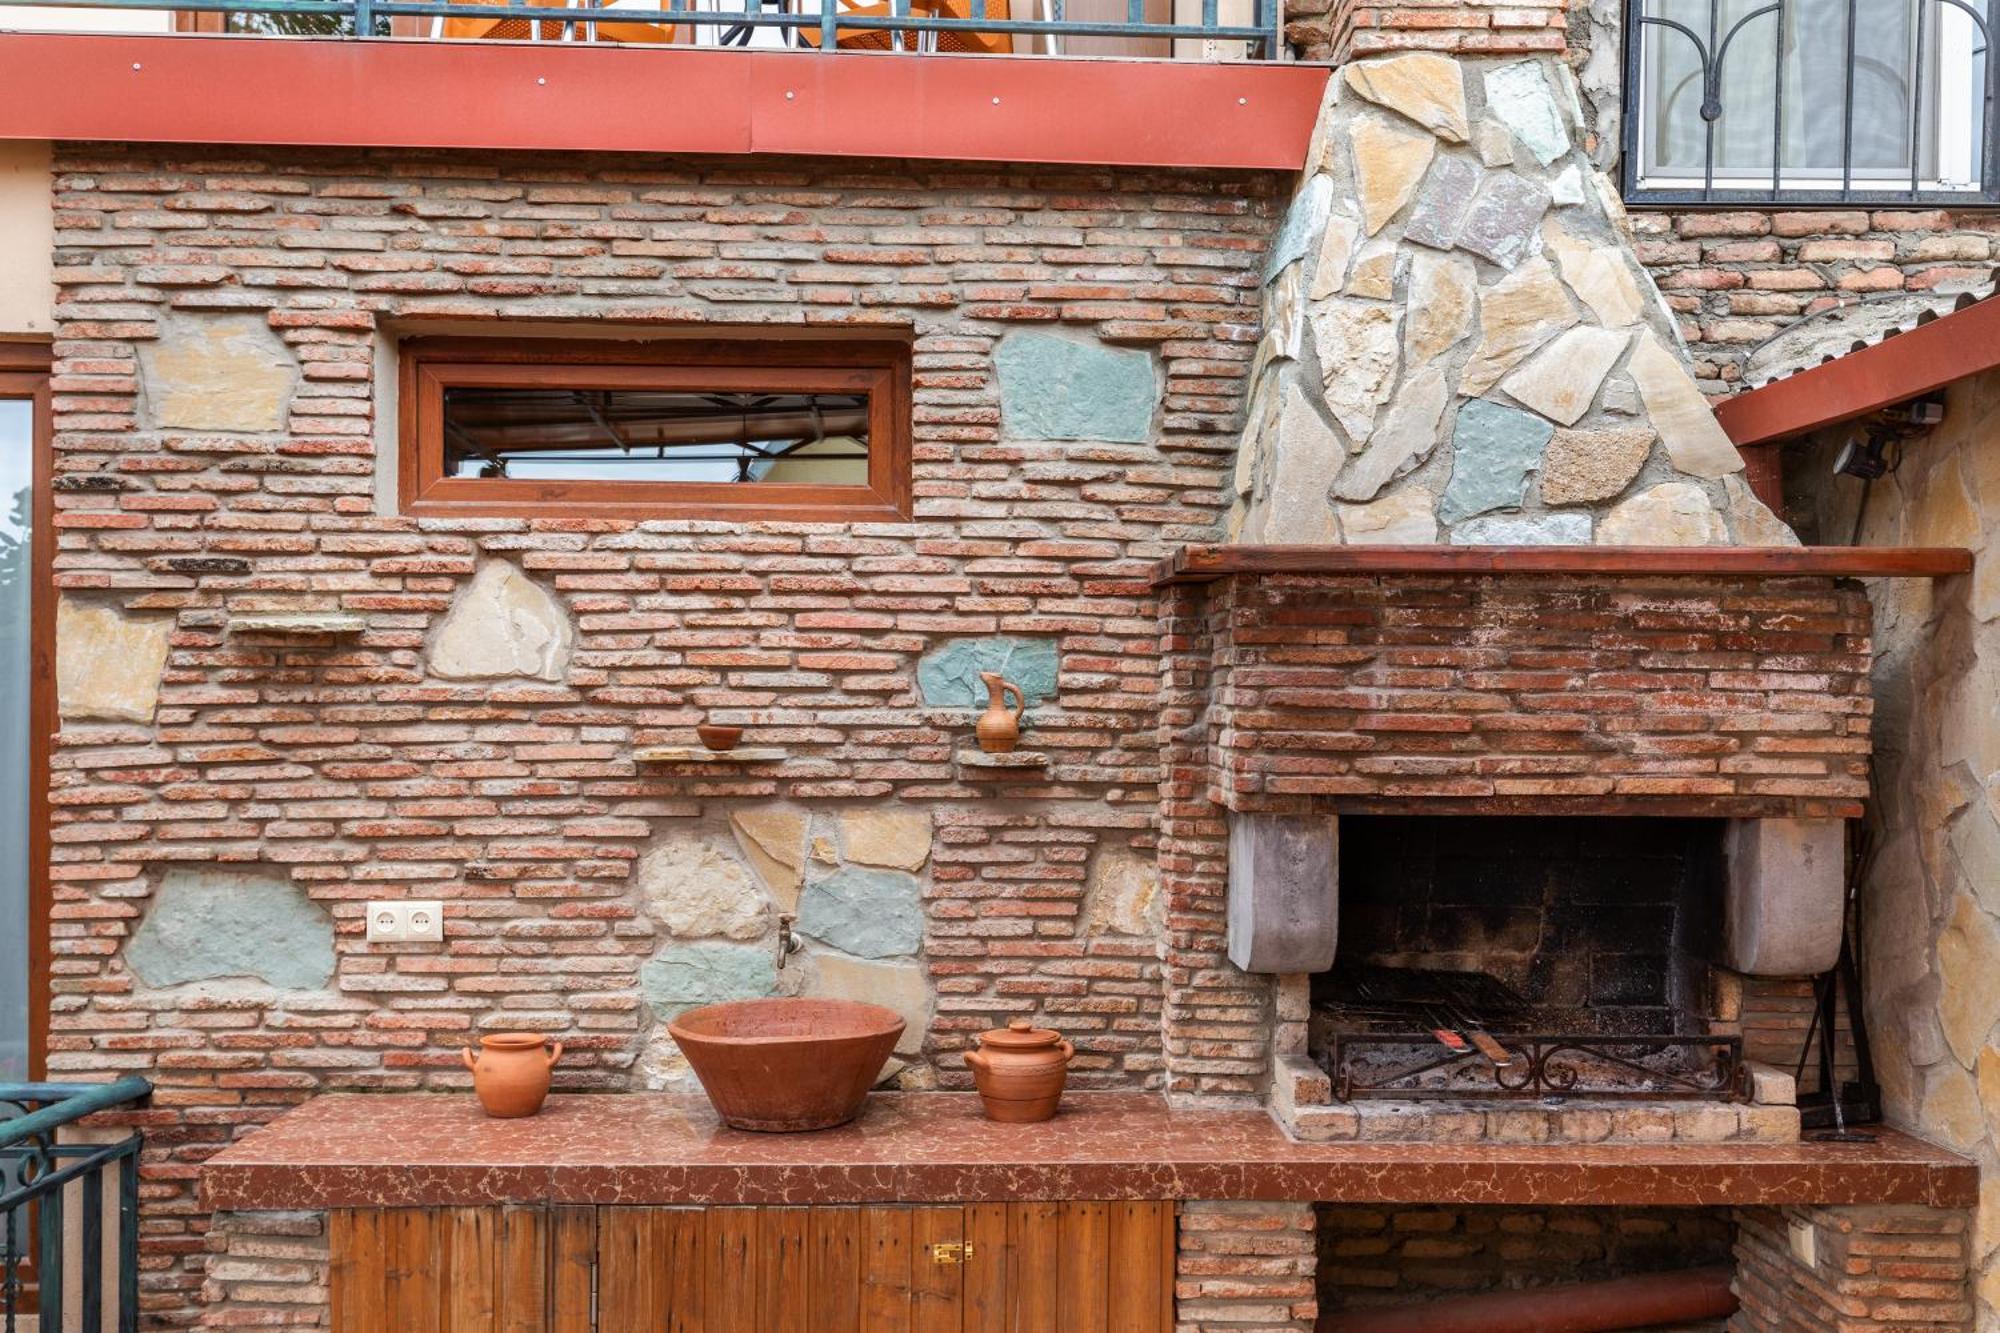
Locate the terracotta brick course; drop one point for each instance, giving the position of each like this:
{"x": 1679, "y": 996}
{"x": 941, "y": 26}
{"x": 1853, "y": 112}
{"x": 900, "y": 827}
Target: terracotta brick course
{"x": 1752, "y": 698}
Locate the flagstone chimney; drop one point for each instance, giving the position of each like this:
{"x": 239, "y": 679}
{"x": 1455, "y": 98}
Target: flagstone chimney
{"x": 1460, "y": 346}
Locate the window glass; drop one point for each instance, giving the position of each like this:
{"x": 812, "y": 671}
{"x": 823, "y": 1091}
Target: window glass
{"x": 630, "y": 435}
{"x": 17, "y": 421}
{"x": 727, "y": 426}
{"x": 1793, "y": 104}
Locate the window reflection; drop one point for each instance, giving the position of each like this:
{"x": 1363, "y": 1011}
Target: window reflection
{"x": 628, "y": 435}
{"x": 17, "y": 421}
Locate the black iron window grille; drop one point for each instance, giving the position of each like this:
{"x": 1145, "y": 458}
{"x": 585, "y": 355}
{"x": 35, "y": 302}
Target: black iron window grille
{"x": 1807, "y": 102}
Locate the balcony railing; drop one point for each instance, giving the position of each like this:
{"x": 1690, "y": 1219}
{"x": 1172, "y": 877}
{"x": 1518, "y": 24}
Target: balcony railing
{"x": 54, "y": 1231}
{"x": 1186, "y": 29}
{"x": 1810, "y": 102}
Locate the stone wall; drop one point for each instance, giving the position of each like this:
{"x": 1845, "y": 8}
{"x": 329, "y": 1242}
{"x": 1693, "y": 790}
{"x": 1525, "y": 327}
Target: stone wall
{"x": 1458, "y": 344}
{"x": 227, "y": 799}
{"x": 1930, "y": 915}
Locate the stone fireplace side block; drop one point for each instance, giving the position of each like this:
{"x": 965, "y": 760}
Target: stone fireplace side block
{"x": 1786, "y": 886}
{"x": 1284, "y": 891}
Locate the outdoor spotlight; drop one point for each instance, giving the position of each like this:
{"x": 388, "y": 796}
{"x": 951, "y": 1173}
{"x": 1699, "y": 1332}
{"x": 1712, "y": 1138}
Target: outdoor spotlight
{"x": 1864, "y": 457}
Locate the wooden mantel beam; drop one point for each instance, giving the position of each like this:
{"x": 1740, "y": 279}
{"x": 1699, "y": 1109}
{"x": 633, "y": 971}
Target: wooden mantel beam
{"x": 1205, "y": 563}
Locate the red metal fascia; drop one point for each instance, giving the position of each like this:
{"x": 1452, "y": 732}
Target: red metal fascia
{"x": 575, "y": 97}
{"x": 1928, "y": 357}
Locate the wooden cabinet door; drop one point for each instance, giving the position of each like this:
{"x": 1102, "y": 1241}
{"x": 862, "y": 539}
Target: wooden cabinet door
{"x": 1070, "y": 1267}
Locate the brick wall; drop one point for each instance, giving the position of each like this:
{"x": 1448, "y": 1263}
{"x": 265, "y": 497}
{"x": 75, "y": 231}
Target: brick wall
{"x": 343, "y": 769}
{"x": 1374, "y": 1257}
{"x": 1338, "y": 29}
{"x": 1245, "y": 1268}
{"x": 1874, "y": 1269}
{"x": 266, "y": 1270}
{"x": 1738, "y": 277}
{"x": 1744, "y": 699}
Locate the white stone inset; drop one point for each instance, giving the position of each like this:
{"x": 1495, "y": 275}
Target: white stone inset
{"x": 224, "y": 372}
{"x": 697, "y": 891}
{"x": 108, "y": 664}
{"x": 1695, "y": 440}
{"x": 503, "y": 624}
{"x": 1674, "y": 513}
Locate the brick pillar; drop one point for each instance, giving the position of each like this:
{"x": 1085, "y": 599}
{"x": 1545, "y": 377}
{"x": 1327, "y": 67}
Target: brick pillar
{"x": 1472, "y": 27}
{"x": 266, "y": 1270}
{"x": 1246, "y": 1268}
{"x": 1216, "y": 1018}
{"x": 1901, "y": 1269}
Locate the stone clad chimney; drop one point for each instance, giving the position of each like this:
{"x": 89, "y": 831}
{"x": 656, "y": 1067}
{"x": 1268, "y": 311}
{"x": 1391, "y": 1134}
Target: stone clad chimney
{"x": 1459, "y": 345}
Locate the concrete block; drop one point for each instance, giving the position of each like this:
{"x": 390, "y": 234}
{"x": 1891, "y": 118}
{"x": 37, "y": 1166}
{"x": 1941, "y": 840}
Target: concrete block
{"x": 1284, "y": 892}
{"x": 1787, "y": 881}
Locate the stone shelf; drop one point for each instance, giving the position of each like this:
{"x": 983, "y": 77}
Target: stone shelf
{"x": 696, "y": 754}
{"x": 1018, "y": 760}
{"x": 349, "y": 1150}
{"x": 296, "y": 624}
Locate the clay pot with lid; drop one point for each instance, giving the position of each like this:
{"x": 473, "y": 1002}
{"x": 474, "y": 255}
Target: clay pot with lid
{"x": 1020, "y": 1071}
{"x": 510, "y": 1074}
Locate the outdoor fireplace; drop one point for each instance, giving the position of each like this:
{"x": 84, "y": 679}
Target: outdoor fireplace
{"x": 1525, "y": 956}
{"x": 1514, "y": 853}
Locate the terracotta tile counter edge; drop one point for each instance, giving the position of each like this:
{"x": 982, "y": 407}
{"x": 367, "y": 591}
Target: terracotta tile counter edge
{"x": 404, "y": 1150}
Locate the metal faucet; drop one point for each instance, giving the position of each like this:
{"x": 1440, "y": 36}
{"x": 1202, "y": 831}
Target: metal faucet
{"x": 788, "y": 943}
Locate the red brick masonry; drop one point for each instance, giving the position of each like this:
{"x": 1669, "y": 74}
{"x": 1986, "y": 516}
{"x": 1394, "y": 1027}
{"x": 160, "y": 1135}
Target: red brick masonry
{"x": 362, "y": 1151}
{"x": 1719, "y": 696}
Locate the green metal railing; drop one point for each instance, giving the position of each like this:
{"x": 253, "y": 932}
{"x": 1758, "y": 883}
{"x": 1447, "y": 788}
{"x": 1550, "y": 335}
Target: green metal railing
{"x": 36, "y": 1175}
{"x": 818, "y": 24}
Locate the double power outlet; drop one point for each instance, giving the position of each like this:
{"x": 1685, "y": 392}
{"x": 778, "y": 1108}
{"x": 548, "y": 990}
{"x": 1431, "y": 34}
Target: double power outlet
{"x": 406, "y": 921}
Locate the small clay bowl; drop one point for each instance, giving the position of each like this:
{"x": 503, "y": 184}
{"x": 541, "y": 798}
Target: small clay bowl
{"x": 718, "y": 738}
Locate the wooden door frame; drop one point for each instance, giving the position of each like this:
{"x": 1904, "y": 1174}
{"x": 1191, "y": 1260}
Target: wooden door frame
{"x": 24, "y": 373}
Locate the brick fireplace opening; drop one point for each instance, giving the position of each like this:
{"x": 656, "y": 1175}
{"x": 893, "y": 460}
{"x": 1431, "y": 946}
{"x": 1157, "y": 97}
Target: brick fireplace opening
{"x": 1525, "y": 956}
{"x": 1517, "y": 975}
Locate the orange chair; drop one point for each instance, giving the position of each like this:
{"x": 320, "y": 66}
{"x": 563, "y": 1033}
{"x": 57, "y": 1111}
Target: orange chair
{"x": 550, "y": 30}
{"x": 893, "y": 39}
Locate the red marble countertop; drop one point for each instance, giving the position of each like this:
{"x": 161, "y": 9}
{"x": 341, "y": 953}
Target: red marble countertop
{"x": 400, "y": 1150}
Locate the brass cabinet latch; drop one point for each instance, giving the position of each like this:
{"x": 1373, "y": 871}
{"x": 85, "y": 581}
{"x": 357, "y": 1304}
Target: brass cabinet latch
{"x": 952, "y": 1253}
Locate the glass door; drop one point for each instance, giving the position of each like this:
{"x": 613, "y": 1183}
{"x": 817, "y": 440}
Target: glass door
{"x": 25, "y": 718}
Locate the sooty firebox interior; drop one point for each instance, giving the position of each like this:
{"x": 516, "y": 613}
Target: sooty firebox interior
{"x": 1486, "y": 946}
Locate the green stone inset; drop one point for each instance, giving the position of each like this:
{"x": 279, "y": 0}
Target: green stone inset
{"x": 1059, "y": 388}
{"x": 208, "y": 924}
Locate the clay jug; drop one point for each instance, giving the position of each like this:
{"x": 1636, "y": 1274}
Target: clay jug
{"x": 1020, "y": 1071}
{"x": 999, "y": 729}
{"x": 511, "y": 1072}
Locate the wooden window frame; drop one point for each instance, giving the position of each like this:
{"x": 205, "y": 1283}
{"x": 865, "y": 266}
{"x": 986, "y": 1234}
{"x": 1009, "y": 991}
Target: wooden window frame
{"x": 878, "y": 367}
{"x": 24, "y": 373}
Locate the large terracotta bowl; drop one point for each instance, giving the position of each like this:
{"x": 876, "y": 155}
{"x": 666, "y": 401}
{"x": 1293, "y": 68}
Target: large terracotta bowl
{"x": 781, "y": 1066}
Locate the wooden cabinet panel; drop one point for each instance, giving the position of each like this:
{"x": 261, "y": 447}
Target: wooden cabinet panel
{"x": 1073, "y": 1267}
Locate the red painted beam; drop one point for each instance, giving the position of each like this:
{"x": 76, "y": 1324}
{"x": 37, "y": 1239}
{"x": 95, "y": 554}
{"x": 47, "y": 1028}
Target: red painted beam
{"x": 1928, "y": 357}
{"x": 578, "y": 97}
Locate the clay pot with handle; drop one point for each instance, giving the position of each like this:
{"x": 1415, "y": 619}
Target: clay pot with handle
{"x": 510, "y": 1074}
{"x": 1020, "y": 1071}
{"x": 999, "y": 727}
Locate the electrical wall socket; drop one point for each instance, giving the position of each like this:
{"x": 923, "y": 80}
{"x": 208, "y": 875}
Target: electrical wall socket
{"x": 406, "y": 921}
{"x": 1805, "y": 1241}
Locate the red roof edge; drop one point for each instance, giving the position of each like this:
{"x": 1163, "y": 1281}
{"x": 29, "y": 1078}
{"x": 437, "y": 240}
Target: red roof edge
{"x": 1907, "y": 365}
{"x": 578, "y": 97}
